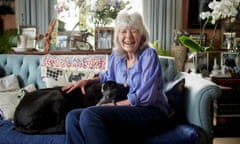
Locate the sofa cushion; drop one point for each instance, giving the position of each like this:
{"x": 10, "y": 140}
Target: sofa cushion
{"x": 180, "y": 134}
{"x": 9, "y": 83}
{"x": 59, "y": 77}
{"x": 10, "y": 99}
{"x": 175, "y": 91}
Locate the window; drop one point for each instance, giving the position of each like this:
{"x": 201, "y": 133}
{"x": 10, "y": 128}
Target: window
{"x": 72, "y": 16}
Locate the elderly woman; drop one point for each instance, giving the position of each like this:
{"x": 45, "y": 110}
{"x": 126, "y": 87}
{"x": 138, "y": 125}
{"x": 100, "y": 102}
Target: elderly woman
{"x": 134, "y": 63}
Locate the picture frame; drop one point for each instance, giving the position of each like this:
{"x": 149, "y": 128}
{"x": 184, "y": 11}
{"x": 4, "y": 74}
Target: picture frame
{"x": 61, "y": 42}
{"x": 194, "y": 7}
{"x": 30, "y": 33}
{"x": 213, "y": 56}
{"x": 236, "y": 43}
{"x": 228, "y": 40}
{"x": 229, "y": 59}
{"x": 104, "y": 38}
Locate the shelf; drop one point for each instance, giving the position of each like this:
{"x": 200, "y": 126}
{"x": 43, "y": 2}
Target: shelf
{"x": 62, "y": 52}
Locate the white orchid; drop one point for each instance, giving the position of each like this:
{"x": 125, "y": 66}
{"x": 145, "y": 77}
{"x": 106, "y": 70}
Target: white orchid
{"x": 221, "y": 10}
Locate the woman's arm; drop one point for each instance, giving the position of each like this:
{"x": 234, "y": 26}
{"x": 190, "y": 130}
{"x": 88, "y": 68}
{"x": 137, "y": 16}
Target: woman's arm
{"x": 80, "y": 84}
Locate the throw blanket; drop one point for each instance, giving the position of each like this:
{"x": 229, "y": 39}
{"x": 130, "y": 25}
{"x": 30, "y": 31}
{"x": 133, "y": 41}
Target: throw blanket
{"x": 59, "y": 70}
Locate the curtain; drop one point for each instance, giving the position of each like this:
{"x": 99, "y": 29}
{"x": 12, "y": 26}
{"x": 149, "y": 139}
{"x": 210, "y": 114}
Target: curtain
{"x": 35, "y": 13}
{"x": 160, "y": 17}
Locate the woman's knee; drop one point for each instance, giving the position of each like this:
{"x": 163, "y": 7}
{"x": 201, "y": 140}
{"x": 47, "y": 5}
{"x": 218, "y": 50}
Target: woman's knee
{"x": 73, "y": 116}
{"x": 90, "y": 115}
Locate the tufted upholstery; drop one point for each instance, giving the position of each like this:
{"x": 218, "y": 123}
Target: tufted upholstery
{"x": 199, "y": 92}
{"x": 26, "y": 67}
{"x": 169, "y": 69}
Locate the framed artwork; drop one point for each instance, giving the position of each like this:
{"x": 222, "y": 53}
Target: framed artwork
{"x": 229, "y": 59}
{"x": 28, "y": 36}
{"x": 194, "y": 9}
{"x": 104, "y": 38}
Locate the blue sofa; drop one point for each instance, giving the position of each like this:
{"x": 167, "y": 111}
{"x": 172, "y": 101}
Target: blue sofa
{"x": 198, "y": 97}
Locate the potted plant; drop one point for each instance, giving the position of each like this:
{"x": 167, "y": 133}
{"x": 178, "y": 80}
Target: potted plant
{"x": 160, "y": 51}
{"x": 8, "y": 39}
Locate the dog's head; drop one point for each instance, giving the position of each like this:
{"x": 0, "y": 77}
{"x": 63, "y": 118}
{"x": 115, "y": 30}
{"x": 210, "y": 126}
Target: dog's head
{"x": 113, "y": 92}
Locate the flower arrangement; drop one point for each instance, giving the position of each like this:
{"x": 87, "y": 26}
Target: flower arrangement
{"x": 102, "y": 12}
{"x": 219, "y": 10}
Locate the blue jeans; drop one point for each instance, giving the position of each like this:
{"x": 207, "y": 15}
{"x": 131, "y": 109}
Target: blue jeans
{"x": 113, "y": 124}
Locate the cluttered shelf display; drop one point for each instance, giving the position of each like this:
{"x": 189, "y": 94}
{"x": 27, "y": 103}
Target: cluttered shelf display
{"x": 225, "y": 72}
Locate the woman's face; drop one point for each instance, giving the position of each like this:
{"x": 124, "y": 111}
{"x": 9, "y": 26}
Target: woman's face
{"x": 129, "y": 39}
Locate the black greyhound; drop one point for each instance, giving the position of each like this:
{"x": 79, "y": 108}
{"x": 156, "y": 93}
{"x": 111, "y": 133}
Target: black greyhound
{"x": 44, "y": 110}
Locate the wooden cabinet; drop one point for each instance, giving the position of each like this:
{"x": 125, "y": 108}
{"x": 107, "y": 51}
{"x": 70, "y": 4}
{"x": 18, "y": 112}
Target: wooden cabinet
{"x": 226, "y": 109}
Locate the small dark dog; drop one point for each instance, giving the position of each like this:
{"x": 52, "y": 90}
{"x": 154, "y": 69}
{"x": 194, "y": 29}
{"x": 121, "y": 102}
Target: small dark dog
{"x": 45, "y": 110}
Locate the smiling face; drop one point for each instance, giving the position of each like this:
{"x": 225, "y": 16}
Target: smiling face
{"x": 131, "y": 35}
{"x": 129, "y": 39}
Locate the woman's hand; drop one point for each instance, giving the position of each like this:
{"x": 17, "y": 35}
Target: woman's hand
{"x": 119, "y": 103}
{"x": 79, "y": 84}
{"x": 108, "y": 104}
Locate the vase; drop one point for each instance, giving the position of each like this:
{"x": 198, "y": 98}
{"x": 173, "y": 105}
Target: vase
{"x": 180, "y": 54}
{"x": 200, "y": 63}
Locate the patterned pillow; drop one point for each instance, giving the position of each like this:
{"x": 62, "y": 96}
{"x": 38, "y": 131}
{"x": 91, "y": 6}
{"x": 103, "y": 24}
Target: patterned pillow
{"x": 9, "y": 83}
{"x": 59, "y": 77}
{"x": 10, "y": 99}
{"x": 175, "y": 92}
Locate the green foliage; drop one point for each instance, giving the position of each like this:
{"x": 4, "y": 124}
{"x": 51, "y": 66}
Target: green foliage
{"x": 160, "y": 51}
{"x": 191, "y": 44}
{"x": 8, "y": 39}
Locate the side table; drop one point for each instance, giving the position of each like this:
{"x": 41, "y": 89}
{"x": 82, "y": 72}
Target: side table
{"x": 226, "y": 109}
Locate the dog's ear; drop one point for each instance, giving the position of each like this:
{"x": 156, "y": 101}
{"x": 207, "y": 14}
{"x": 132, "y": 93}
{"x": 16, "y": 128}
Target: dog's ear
{"x": 109, "y": 85}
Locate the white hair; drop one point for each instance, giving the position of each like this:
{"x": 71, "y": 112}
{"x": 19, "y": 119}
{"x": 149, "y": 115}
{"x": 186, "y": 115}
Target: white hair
{"x": 131, "y": 20}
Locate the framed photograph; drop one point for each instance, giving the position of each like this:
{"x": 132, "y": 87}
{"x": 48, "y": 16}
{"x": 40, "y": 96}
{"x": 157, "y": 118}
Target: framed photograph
{"x": 61, "y": 42}
{"x": 104, "y": 38}
{"x": 229, "y": 59}
{"x": 236, "y": 43}
{"x": 29, "y": 36}
{"x": 228, "y": 39}
{"x": 213, "y": 57}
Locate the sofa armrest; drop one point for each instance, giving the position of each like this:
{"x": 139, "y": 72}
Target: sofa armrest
{"x": 200, "y": 93}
